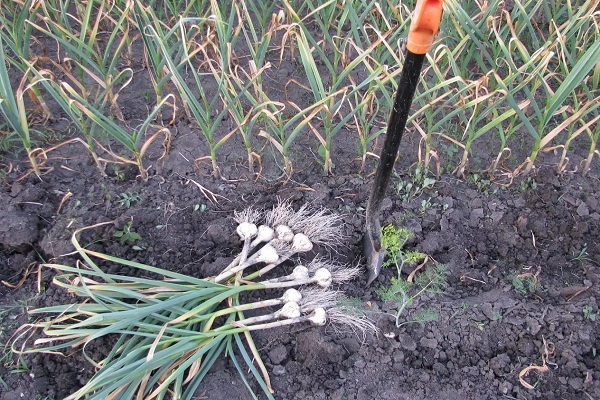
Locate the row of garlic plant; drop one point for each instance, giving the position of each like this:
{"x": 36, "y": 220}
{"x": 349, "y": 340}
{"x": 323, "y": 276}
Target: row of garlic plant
{"x": 171, "y": 329}
{"x": 538, "y": 67}
{"x": 495, "y": 72}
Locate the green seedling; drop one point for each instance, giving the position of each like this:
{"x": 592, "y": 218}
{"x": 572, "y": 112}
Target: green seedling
{"x": 127, "y": 199}
{"x": 421, "y": 317}
{"x": 588, "y": 313}
{"x": 496, "y": 316}
{"x": 127, "y": 234}
{"x": 408, "y": 190}
{"x": 425, "y": 205}
{"x": 527, "y": 184}
{"x": 393, "y": 240}
{"x": 119, "y": 173}
{"x": 403, "y": 293}
{"x": 480, "y": 325}
{"x": 583, "y": 255}
{"x": 483, "y": 185}
{"x": 200, "y": 208}
{"x": 526, "y": 283}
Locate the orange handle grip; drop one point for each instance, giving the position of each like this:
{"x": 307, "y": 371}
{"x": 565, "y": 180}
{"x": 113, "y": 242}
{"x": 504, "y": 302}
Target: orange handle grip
{"x": 424, "y": 26}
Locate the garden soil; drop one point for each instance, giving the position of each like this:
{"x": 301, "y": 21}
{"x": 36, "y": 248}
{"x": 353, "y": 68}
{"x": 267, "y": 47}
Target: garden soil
{"x": 488, "y": 331}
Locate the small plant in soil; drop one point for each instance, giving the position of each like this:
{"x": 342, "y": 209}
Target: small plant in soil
{"x": 527, "y": 184}
{"x": 421, "y": 316}
{"x": 393, "y": 240}
{"x": 127, "y": 199}
{"x": 497, "y": 316}
{"x": 425, "y": 205}
{"x": 588, "y": 313}
{"x": 171, "y": 328}
{"x": 482, "y": 184}
{"x": 408, "y": 190}
{"x": 403, "y": 292}
{"x": 119, "y": 173}
{"x": 432, "y": 279}
{"x": 480, "y": 325}
{"x": 525, "y": 284}
{"x": 200, "y": 208}
{"x": 127, "y": 234}
{"x": 583, "y": 256}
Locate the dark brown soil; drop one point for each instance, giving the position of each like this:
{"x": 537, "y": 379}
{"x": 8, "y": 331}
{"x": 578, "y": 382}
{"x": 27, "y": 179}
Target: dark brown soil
{"x": 487, "y": 331}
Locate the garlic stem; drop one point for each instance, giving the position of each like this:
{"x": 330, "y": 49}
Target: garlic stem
{"x": 288, "y": 310}
{"x": 266, "y": 254}
{"x": 318, "y": 317}
{"x": 290, "y": 296}
{"x": 300, "y": 273}
{"x": 264, "y": 270}
{"x": 321, "y": 277}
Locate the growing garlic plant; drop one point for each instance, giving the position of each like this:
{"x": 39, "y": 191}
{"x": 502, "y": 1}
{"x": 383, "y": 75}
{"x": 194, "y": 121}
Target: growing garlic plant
{"x": 171, "y": 331}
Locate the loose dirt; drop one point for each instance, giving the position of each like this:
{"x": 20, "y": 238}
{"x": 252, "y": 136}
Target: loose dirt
{"x": 487, "y": 331}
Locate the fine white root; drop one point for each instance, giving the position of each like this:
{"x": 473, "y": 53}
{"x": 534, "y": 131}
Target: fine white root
{"x": 340, "y": 273}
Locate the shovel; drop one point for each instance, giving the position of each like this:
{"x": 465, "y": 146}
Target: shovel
{"x": 424, "y": 27}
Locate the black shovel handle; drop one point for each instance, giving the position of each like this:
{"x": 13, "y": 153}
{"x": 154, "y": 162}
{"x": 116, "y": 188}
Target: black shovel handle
{"x": 423, "y": 28}
{"x": 395, "y": 130}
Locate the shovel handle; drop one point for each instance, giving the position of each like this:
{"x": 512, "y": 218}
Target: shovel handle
{"x": 425, "y": 23}
{"x": 424, "y": 26}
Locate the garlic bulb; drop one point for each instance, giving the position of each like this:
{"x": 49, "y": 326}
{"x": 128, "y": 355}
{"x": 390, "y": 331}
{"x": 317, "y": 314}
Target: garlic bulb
{"x": 300, "y": 273}
{"x": 318, "y": 317}
{"x": 322, "y": 277}
{"x": 301, "y": 243}
{"x": 291, "y": 295}
{"x": 289, "y": 310}
{"x": 246, "y": 230}
{"x": 265, "y": 233}
{"x": 284, "y": 233}
{"x": 267, "y": 254}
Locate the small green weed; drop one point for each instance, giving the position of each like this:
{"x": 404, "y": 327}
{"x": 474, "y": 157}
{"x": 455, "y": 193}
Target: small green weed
{"x": 408, "y": 190}
{"x": 200, "y": 208}
{"x": 403, "y": 292}
{"x": 127, "y": 199}
{"x": 421, "y": 317}
{"x": 9, "y": 321}
{"x": 583, "y": 255}
{"x": 480, "y": 325}
{"x": 588, "y": 313}
{"x": 119, "y": 173}
{"x": 527, "y": 184}
{"x": 127, "y": 234}
{"x": 425, "y": 205}
{"x": 483, "y": 185}
{"x": 497, "y": 316}
{"x": 526, "y": 283}
{"x": 393, "y": 240}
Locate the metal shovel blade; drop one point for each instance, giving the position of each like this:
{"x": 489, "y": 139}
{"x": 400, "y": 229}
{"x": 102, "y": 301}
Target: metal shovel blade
{"x": 374, "y": 255}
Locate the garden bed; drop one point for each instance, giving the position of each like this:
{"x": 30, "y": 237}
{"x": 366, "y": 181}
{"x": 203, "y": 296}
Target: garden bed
{"x": 490, "y": 183}
{"x": 489, "y": 329}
